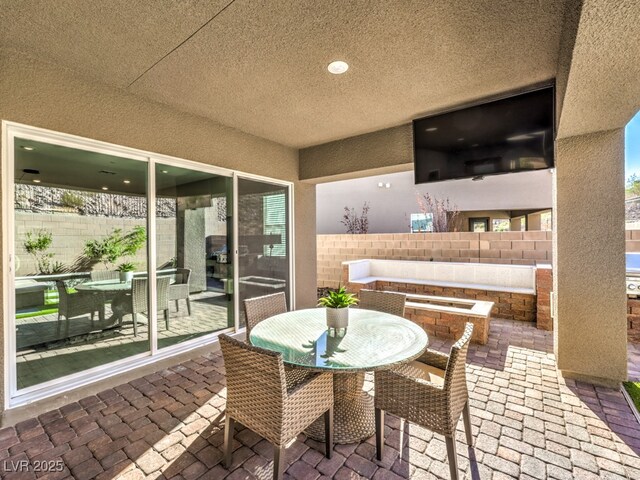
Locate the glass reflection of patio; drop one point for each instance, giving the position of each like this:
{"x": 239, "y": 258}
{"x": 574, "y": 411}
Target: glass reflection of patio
{"x": 44, "y": 354}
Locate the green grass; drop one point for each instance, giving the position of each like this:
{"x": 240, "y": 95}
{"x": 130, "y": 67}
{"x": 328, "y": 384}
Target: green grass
{"x": 633, "y": 389}
{"x": 50, "y": 305}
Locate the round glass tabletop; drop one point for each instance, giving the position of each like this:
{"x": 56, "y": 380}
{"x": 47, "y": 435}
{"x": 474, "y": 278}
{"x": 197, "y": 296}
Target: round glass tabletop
{"x": 373, "y": 340}
{"x": 104, "y": 286}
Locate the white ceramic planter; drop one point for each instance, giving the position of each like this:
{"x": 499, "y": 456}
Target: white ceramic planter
{"x": 337, "y": 318}
{"x": 126, "y": 276}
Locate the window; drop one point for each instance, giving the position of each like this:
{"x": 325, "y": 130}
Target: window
{"x": 421, "y": 222}
{"x": 275, "y": 223}
{"x": 479, "y": 224}
{"x": 501, "y": 224}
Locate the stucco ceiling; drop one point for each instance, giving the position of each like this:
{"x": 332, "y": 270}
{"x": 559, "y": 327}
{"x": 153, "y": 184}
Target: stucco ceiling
{"x": 260, "y": 66}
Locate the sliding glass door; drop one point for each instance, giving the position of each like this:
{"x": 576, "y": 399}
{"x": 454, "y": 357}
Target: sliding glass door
{"x": 193, "y": 239}
{"x": 80, "y": 222}
{"x": 116, "y": 256}
{"x": 263, "y": 240}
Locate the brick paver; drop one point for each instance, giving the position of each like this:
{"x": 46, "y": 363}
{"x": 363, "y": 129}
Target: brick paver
{"x": 528, "y": 422}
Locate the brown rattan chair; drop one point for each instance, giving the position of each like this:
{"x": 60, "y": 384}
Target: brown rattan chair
{"x": 260, "y": 308}
{"x": 78, "y": 303}
{"x": 386, "y": 302}
{"x": 97, "y": 275}
{"x": 180, "y": 289}
{"x": 431, "y": 392}
{"x": 274, "y": 403}
{"x": 137, "y": 300}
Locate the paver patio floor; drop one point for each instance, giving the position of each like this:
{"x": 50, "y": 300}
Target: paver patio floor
{"x": 528, "y": 422}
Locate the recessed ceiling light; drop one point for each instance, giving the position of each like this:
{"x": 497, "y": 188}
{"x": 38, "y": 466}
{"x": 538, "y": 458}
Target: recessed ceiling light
{"x": 461, "y": 139}
{"x": 431, "y": 129}
{"x": 28, "y": 148}
{"x": 165, "y": 171}
{"x": 387, "y": 185}
{"x": 338, "y": 67}
{"x": 127, "y": 181}
{"x": 380, "y": 184}
{"x": 35, "y": 180}
{"x": 105, "y": 188}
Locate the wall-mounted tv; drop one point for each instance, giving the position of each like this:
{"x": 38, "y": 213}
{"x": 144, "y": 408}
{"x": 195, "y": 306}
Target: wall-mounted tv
{"x": 513, "y": 134}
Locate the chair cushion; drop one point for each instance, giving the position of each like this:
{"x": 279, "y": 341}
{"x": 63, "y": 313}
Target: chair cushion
{"x": 424, "y": 372}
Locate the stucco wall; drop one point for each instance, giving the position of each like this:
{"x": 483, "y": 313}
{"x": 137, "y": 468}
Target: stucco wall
{"x": 391, "y": 208}
{"x": 590, "y": 328}
{"x": 383, "y": 151}
{"x": 46, "y": 96}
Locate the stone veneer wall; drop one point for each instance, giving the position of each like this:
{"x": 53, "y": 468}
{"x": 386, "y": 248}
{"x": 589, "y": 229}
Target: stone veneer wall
{"x": 512, "y": 306}
{"x": 633, "y": 320}
{"x": 449, "y": 325}
{"x": 544, "y": 284}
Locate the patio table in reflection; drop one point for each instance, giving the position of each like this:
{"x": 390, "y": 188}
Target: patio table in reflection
{"x": 373, "y": 341}
{"x": 113, "y": 290}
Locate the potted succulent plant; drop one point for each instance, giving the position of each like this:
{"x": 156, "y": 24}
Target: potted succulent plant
{"x": 126, "y": 271}
{"x": 337, "y": 303}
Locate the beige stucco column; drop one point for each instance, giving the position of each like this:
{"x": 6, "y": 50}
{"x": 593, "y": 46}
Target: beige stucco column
{"x": 589, "y": 265}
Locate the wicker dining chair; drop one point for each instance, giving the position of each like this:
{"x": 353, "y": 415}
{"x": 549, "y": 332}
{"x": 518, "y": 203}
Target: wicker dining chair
{"x": 386, "y": 302}
{"x": 97, "y": 275}
{"x": 180, "y": 289}
{"x": 137, "y": 300}
{"x": 79, "y": 303}
{"x": 431, "y": 392}
{"x": 274, "y": 403}
{"x": 258, "y": 309}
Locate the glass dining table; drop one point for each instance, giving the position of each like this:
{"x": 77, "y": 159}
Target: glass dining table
{"x": 373, "y": 341}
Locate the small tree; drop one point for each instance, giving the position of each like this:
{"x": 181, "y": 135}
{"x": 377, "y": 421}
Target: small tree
{"x": 444, "y": 214}
{"x": 115, "y": 246}
{"x": 356, "y": 223}
{"x": 36, "y": 244}
{"x": 633, "y": 186}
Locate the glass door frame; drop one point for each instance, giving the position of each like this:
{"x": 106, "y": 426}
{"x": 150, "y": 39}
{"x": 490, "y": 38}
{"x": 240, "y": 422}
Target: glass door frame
{"x": 14, "y": 397}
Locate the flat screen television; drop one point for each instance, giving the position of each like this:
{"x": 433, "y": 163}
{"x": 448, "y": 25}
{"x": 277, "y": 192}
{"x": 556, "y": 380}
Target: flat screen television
{"x": 513, "y": 134}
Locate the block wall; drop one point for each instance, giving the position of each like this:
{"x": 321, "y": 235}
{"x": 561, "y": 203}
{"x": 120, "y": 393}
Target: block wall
{"x": 517, "y": 248}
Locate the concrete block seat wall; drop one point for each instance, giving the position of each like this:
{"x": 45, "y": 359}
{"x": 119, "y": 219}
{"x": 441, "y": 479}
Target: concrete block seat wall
{"x": 512, "y": 288}
{"x": 446, "y": 317}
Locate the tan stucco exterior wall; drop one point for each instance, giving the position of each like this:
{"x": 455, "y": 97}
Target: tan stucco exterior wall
{"x": 44, "y": 96}
{"x": 588, "y": 261}
{"x": 384, "y": 151}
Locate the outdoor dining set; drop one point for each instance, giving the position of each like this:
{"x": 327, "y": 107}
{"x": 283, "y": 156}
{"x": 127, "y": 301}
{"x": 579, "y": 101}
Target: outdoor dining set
{"x": 295, "y": 375}
{"x": 125, "y": 296}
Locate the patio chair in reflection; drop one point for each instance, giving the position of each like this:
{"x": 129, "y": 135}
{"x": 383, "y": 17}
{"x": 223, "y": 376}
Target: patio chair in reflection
{"x": 385, "y": 302}
{"x": 180, "y": 289}
{"x": 136, "y": 302}
{"x": 79, "y": 303}
{"x": 260, "y": 308}
{"x": 430, "y": 392}
{"x": 98, "y": 275}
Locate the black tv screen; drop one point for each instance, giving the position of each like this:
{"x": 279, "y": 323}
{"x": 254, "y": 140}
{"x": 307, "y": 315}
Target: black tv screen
{"x": 513, "y": 134}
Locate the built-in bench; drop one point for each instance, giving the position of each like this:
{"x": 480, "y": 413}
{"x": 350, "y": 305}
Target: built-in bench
{"x": 446, "y": 316}
{"x": 512, "y": 288}
{"x": 29, "y": 293}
